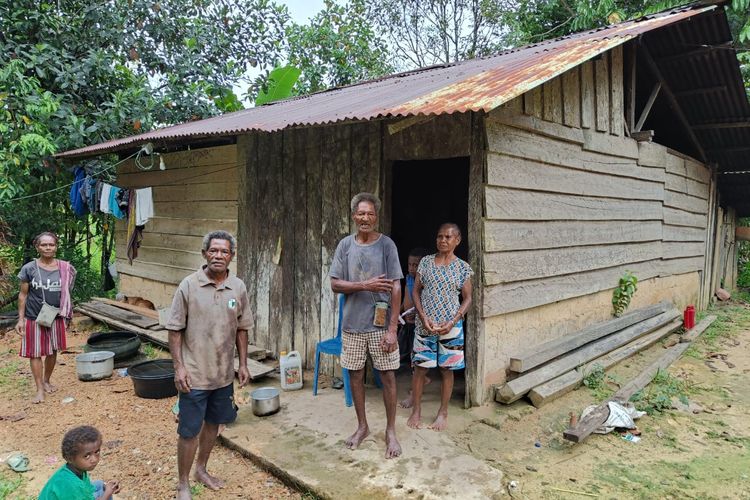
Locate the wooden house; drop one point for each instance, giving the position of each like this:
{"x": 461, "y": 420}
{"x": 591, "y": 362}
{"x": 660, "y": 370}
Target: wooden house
{"x": 566, "y": 163}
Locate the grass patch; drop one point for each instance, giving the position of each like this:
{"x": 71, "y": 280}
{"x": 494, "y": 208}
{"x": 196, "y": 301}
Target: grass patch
{"x": 730, "y": 319}
{"x": 597, "y": 380}
{"x": 10, "y": 484}
{"x": 196, "y": 489}
{"x": 658, "y": 395}
{"x": 151, "y": 351}
{"x": 10, "y": 379}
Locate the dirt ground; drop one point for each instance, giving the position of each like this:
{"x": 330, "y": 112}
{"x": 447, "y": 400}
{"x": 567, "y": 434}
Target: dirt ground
{"x": 699, "y": 451}
{"x": 139, "y": 434}
{"x": 702, "y": 452}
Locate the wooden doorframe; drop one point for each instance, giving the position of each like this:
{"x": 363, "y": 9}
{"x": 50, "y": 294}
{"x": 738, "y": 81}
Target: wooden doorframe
{"x": 475, "y": 338}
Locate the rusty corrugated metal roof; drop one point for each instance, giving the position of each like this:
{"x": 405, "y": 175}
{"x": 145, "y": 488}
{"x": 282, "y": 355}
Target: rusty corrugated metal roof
{"x": 474, "y": 85}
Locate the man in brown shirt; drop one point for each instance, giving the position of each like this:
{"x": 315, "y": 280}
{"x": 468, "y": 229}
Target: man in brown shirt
{"x": 210, "y": 316}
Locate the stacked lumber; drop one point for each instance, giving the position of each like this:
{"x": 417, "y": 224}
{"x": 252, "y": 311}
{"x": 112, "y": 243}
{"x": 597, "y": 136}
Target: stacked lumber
{"x": 555, "y": 368}
{"x": 598, "y": 416}
{"x": 145, "y": 322}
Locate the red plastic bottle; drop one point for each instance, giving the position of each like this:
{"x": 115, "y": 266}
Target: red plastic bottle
{"x": 688, "y": 318}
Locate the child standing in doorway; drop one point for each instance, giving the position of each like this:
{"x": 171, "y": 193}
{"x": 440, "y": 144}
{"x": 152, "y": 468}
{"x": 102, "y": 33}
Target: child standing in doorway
{"x": 406, "y": 336}
{"x": 81, "y": 448}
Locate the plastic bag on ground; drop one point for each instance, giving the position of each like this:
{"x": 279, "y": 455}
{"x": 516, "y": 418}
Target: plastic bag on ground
{"x": 620, "y": 417}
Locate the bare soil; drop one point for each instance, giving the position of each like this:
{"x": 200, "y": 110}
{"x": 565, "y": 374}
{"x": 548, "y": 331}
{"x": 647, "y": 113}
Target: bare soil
{"x": 139, "y": 434}
{"x": 702, "y": 452}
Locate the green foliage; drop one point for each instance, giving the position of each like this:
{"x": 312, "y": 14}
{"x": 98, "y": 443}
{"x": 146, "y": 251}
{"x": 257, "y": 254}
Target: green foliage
{"x": 657, "y": 396}
{"x": 281, "y": 81}
{"x": 626, "y": 288}
{"x": 599, "y": 382}
{"x": 10, "y": 483}
{"x": 338, "y": 47}
{"x": 743, "y": 257}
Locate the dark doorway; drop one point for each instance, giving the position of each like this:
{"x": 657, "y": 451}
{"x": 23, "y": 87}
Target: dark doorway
{"x": 425, "y": 194}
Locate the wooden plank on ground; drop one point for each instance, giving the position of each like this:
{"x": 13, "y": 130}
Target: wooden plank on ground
{"x": 555, "y": 388}
{"x": 122, "y": 314}
{"x": 256, "y": 368}
{"x": 143, "y": 311}
{"x": 156, "y": 336}
{"x": 698, "y": 329}
{"x": 542, "y": 353}
{"x": 517, "y": 388}
{"x": 599, "y": 415}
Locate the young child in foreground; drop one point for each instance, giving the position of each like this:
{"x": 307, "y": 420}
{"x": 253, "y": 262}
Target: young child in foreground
{"x": 81, "y": 447}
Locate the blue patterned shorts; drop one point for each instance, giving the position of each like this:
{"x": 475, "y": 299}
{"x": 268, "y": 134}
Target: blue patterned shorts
{"x": 445, "y": 351}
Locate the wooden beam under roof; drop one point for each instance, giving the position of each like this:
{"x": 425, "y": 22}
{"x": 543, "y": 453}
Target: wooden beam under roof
{"x": 696, "y": 52}
{"x": 721, "y": 125}
{"x": 673, "y": 101}
{"x": 701, "y": 91}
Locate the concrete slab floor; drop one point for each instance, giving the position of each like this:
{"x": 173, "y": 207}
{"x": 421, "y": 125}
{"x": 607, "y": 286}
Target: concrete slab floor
{"x": 304, "y": 445}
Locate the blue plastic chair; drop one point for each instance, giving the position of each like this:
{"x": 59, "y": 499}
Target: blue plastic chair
{"x": 333, "y": 346}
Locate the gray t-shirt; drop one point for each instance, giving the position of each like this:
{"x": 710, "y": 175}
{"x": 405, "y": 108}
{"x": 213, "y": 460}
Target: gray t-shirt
{"x": 355, "y": 262}
{"x": 50, "y": 282}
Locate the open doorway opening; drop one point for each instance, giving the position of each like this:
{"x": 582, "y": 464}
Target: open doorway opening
{"x": 424, "y": 195}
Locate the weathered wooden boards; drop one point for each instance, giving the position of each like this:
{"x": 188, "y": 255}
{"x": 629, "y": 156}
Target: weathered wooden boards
{"x": 537, "y": 355}
{"x": 256, "y": 368}
{"x": 599, "y": 415}
{"x": 518, "y": 387}
{"x": 116, "y": 312}
{"x": 143, "y": 311}
{"x": 197, "y": 193}
{"x": 555, "y": 388}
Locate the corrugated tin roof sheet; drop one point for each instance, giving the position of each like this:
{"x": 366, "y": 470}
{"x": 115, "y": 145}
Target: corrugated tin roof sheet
{"x": 477, "y": 84}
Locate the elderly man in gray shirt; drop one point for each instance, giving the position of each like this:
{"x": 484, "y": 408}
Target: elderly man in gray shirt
{"x": 366, "y": 268}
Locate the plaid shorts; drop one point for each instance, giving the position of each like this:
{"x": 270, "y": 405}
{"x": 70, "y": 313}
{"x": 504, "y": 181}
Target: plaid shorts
{"x": 356, "y": 346}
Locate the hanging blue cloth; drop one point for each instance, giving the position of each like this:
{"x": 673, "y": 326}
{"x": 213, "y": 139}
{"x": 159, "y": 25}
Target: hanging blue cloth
{"x": 76, "y": 200}
{"x": 114, "y": 206}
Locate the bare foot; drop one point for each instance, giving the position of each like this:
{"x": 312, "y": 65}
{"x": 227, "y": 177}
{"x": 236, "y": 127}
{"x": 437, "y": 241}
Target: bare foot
{"x": 183, "y": 492}
{"x": 440, "y": 423}
{"x": 415, "y": 419}
{"x": 49, "y": 388}
{"x": 408, "y": 402}
{"x": 392, "y": 446}
{"x": 211, "y": 482}
{"x": 39, "y": 398}
{"x": 353, "y": 441}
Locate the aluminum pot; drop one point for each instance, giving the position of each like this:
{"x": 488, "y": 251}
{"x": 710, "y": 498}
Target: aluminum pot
{"x": 265, "y": 401}
{"x": 95, "y": 365}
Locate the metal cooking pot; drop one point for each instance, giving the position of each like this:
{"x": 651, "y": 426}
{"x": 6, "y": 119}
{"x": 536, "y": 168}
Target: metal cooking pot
{"x": 265, "y": 401}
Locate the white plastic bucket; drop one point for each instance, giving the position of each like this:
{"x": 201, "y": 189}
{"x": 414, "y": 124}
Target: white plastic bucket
{"x": 290, "y": 367}
{"x": 95, "y": 365}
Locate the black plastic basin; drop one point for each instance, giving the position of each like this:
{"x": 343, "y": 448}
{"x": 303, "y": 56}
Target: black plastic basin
{"x": 153, "y": 379}
{"x": 123, "y": 344}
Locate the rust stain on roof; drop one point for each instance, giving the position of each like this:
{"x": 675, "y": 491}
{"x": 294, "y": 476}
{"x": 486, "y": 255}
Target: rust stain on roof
{"x": 478, "y": 84}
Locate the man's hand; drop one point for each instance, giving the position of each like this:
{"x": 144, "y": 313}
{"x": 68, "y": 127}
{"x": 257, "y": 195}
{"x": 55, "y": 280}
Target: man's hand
{"x": 20, "y": 326}
{"x": 182, "y": 379}
{"x": 244, "y": 375}
{"x": 429, "y": 325}
{"x": 390, "y": 341}
{"x": 378, "y": 284}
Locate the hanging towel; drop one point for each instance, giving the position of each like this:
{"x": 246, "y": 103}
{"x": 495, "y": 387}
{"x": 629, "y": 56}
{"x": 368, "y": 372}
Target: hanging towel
{"x": 114, "y": 206}
{"x": 144, "y": 206}
{"x": 67, "y": 281}
{"x": 104, "y": 199}
{"x": 76, "y": 200}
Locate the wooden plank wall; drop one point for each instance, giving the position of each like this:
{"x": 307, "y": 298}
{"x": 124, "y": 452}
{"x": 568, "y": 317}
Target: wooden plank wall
{"x": 571, "y": 203}
{"x": 197, "y": 193}
{"x": 297, "y": 185}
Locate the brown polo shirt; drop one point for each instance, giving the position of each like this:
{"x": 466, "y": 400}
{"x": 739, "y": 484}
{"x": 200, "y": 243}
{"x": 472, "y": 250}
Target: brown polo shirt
{"x": 209, "y": 315}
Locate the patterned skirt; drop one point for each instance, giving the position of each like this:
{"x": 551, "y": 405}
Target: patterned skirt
{"x": 42, "y": 341}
